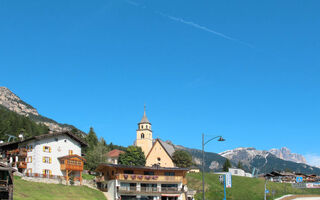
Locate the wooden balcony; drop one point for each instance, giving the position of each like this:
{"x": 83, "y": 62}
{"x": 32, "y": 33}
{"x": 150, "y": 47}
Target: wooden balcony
{"x": 20, "y": 152}
{"x": 71, "y": 167}
{"x": 149, "y": 190}
{"x": 22, "y": 164}
{"x": 149, "y": 178}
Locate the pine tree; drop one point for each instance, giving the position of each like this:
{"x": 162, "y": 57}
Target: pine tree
{"x": 239, "y": 166}
{"x": 226, "y": 165}
{"x": 92, "y": 139}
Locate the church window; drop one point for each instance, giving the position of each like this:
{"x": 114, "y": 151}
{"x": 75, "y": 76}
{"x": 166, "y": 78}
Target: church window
{"x": 159, "y": 159}
{"x": 142, "y": 135}
{"x": 147, "y": 126}
{"x": 142, "y": 126}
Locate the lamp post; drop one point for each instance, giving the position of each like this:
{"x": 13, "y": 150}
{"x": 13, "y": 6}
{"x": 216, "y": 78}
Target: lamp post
{"x": 203, "y": 144}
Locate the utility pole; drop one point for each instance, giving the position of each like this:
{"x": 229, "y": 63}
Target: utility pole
{"x": 265, "y": 190}
{"x": 203, "y": 144}
{"x": 203, "y": 194}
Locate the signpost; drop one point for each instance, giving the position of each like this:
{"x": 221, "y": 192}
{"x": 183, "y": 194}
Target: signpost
{"x": 227, "y": 182}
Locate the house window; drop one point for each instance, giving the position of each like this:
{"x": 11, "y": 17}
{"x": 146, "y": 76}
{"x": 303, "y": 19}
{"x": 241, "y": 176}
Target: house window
{"x": 29, "y": 159}
{"x": 70, "y": 152}
{"x": 46, "y": 159}
{"x": 29, "y": 171}
{"x": 169, "y": 174}
{"x": 128, "y": 171}
{"x": 150, "y": 173}
{"x": 47, "y": 149}
{"x": 46, "y": 172}
{"x": 235, "y": 171}
{"x": 29, "y": 148}
{"x": 142, "y": 135}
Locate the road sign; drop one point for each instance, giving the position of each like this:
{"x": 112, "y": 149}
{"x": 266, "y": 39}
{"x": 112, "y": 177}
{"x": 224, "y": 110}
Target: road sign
{"x": 299, "y": 179}
{"x": 228, "y": 181}
{"x": 221, "y": 179}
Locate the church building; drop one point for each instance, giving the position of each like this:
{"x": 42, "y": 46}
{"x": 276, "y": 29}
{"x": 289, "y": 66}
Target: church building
{"x": 156, "y": 151}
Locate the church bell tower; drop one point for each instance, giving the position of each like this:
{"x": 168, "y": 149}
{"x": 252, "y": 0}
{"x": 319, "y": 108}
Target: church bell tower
{"x": 144, "y": 134}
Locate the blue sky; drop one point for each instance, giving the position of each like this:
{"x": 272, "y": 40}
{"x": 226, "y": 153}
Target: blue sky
{"x": 246, "y": 70}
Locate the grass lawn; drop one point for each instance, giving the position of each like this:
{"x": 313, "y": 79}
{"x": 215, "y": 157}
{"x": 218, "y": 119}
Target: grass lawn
{"x": 243, "y": 188}
{"x": 27, "y": 190}
{"x": 88, "y": 176}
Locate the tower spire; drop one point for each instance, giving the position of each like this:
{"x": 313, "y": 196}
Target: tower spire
{"x": 144, "y": 118}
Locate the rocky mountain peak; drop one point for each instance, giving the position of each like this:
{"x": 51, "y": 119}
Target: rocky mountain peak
{"x": 12, "y": 102}
{"x": 285, "y": 154}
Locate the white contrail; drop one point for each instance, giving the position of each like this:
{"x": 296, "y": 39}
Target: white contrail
{"x": 195, "y": 25}
{"x": 202, "y": 28}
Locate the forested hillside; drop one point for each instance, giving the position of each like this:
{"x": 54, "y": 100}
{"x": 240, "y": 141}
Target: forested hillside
{"x": 12, "y": 123}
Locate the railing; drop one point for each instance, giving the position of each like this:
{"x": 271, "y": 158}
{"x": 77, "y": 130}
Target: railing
{"x": 71, "y": 167}
{"x": 149, "y": 178}
{"x": 133, "y": 190}
{"x": 21, "y": 152}
{"x": 37, "y": 175}
{"x": 149, "y": 189}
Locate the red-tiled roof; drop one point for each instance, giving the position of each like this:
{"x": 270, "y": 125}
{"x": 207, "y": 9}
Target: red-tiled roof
{"x": 114, "y": 153}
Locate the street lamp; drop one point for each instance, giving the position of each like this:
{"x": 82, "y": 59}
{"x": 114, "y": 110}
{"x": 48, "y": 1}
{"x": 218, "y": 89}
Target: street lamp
{"x": 221, "y": 139}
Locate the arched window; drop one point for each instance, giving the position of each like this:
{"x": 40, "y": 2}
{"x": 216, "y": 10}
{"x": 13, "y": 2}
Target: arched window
{"x": 142, "y": 135}
{"x": 141, "y": 126}
{"x": 147, "y": 126}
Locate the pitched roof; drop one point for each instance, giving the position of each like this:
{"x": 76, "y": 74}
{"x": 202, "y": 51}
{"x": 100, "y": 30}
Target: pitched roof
{"x": 39, "y": 137}
{"x": 114, "y": 153}
{"x": 167, "y": 148}
{"x": 144, "y": 118}
{"x": 72, "y": 156}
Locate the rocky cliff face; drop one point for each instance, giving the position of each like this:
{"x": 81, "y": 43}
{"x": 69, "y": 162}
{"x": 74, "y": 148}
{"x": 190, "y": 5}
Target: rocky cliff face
{"x": 285, "y": 154}
{"x": 12, "y": 102}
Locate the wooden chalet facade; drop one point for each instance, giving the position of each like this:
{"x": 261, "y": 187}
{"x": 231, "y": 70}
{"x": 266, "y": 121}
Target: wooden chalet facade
{"x": 289, "y": 177}
{"x": 132, "y": 182}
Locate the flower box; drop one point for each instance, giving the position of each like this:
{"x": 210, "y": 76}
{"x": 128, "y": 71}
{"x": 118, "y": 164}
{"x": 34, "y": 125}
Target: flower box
{"x": 125, "y": 176}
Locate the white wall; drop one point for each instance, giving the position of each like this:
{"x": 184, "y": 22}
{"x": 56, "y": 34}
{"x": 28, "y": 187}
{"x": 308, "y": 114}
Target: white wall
{"x": 59, "y": 148}
{"x": 237, "y": 172}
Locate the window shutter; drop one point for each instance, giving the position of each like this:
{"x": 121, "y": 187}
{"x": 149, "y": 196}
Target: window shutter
{"x": 50, "y": 172}
{"x": 44, "y": 148}
{"x": 43, "y": 159}
{"x": 31, "y": 159}
{"x": 50, "y": 160}
{"x": 43, "y": 171}
{"x": 49, "y": 149}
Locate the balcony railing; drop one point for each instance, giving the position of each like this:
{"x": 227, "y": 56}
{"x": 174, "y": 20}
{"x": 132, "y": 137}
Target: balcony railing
{"x": 21, "y": 152}
{"x": 149, "y": 178}
{"x": 135, "y": 190}
{"x": 71, "y": 167}
{"x": 37, "y": 175}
